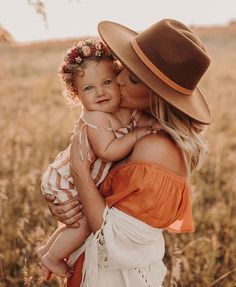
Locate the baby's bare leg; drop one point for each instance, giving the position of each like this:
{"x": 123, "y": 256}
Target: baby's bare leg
{"x": 67, "y": 241}
{"x": 42, "y": 250}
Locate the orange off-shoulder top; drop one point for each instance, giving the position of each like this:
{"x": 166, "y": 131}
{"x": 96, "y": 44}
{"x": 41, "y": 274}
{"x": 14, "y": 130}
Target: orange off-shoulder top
{"x": 150, "y": 193}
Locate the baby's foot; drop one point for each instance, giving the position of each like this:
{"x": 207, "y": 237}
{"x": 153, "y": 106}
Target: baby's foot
{"x": 58, "y": 267}
{"x": 47, "y": 274}
{"x": 41, "y": 251}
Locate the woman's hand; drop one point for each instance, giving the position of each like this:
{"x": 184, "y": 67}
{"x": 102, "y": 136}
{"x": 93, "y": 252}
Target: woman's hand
{"x": 68, "y": 212}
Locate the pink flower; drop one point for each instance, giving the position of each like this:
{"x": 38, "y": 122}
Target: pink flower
{"x": 73, "y": 54}
{"x": 86, "y": 51}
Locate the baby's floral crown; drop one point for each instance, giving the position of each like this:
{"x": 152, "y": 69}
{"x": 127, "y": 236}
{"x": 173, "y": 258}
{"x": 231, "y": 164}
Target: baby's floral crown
{"x": 82, "y": 50}
{"x": 90, "y": 49}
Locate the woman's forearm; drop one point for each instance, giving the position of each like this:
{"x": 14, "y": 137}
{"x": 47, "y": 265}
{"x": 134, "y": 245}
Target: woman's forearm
{"x": 92, "y": 201}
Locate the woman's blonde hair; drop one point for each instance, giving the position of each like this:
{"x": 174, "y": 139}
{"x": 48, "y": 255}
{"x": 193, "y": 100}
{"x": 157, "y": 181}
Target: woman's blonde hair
{"x": 186, "y": 132}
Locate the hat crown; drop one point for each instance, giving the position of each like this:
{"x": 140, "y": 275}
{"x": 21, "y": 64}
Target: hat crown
{"x": 175, "y": 51}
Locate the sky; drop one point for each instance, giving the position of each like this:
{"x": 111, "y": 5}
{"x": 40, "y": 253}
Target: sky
{"x": 73, "y": 18}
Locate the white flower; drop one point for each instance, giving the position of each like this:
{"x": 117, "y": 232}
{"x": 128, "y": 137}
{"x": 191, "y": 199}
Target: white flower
{"x": 98, "y": 53}
{"x": 78, "y": 60}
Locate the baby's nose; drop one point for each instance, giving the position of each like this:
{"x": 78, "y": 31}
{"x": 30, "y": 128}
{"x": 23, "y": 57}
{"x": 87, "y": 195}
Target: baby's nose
{"x": 100, "y": 92}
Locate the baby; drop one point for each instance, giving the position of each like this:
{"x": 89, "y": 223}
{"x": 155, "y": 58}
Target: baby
{"x": 88, "y": 74}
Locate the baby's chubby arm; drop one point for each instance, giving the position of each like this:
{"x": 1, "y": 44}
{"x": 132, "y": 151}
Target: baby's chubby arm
{"x": 104, "y": 143}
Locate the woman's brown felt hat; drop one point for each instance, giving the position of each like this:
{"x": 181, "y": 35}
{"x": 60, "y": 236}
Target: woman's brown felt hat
{"x": 168, "y": 58}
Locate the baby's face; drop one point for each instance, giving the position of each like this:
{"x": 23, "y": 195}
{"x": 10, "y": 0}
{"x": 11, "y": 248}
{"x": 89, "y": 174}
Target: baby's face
{"x": 97, "y": 87}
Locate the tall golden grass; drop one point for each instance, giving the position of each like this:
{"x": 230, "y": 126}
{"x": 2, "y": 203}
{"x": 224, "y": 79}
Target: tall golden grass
{"x": 35, "y": 124}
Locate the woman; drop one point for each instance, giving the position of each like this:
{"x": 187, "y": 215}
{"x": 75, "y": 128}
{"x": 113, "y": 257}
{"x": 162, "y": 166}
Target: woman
{"x": 149, "y": 191}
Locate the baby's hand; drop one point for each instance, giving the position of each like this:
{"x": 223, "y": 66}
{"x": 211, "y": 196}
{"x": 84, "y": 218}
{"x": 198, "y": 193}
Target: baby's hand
{"x": 156, "y": 127}
{"x": 148, "y": 121}
{"x": 141, "y": 132}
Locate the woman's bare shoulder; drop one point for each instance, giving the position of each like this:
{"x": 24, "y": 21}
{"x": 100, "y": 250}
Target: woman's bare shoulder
{"x": 160, "y": 149}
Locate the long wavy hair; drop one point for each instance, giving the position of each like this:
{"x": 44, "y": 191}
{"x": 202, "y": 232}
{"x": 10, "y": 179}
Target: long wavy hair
{"x": 187, "y": 133}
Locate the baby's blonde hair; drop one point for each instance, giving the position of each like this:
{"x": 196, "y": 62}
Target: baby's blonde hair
{"x": 187, "y": 133}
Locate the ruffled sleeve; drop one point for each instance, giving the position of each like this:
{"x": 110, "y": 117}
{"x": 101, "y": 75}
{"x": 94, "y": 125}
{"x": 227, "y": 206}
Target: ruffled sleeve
{"x": 151, "y": 194}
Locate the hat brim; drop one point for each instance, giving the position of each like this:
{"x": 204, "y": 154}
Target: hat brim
{"x": 118, "y": 38}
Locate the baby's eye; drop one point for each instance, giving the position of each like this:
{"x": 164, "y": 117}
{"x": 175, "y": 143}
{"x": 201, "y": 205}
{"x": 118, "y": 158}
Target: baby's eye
{"x": 88, "y": 88}
{"x": 107, "y": 82}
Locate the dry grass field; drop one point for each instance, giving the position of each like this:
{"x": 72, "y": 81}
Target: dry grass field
{"x": 34, "y": 126}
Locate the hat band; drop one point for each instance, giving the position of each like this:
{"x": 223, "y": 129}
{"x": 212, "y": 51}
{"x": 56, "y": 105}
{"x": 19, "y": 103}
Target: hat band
{"x": 157, "y": 72}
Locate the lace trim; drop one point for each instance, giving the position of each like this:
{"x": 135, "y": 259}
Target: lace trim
{"x": 102, "y": 251}
{"x": 144, "y": 276}
{"x": 96, "y": 252}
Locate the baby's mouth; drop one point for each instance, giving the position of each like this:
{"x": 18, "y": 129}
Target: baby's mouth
{"x": 103, "y": 101}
